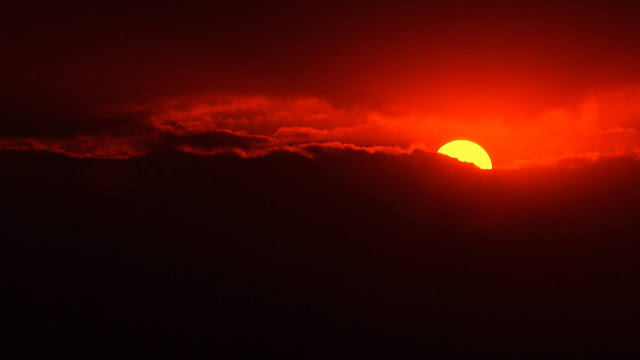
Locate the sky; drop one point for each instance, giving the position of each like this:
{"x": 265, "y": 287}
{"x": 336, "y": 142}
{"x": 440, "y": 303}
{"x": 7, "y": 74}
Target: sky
{"x": 261, "y": 180}
{"x": 533, "y": 84}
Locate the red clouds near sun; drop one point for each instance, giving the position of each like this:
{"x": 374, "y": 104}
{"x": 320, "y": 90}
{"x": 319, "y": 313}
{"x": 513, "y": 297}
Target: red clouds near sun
{"x": 533, "y": 84}
{"x": 603, "y": 124}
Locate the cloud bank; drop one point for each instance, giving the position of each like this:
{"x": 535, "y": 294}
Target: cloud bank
{"x": 603, "y": 124}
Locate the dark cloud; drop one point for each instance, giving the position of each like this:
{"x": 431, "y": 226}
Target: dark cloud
{"x": 602, "y": 125}
{"x": 216, "y": 140}
{"x": 84, "y": 146}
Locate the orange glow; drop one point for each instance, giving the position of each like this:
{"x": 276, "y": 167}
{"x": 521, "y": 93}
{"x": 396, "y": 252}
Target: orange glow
{"x": 467, "y": 151}
{"x": 599, "y": 125}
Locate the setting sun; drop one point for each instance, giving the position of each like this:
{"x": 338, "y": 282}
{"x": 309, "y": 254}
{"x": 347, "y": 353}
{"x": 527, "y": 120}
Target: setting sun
{"x": 467, "y": 151}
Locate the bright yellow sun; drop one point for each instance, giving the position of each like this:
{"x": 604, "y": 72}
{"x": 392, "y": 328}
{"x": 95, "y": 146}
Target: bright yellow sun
{"x": 467, "y": 151}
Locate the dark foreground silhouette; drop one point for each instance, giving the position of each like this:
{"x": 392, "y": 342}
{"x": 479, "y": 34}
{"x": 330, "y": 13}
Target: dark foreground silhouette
{"x": 346, "y": 255}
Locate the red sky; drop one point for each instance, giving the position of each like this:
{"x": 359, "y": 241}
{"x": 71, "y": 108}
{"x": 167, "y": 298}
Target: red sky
{"x": 533, "y": 84}
{"x": 328, "y": 240}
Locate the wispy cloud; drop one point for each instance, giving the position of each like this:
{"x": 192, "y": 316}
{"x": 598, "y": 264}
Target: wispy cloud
{"x": 604, "y": 124}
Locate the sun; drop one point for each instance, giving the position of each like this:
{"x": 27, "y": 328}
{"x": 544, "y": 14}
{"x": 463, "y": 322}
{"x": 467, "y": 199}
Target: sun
{"x": 467, "y": 151}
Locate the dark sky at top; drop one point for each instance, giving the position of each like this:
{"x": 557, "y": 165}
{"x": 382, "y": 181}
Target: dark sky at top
{"x": 422, "y": 55}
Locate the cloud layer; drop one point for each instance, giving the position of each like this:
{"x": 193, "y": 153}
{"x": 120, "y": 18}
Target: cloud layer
{"x": 604, "y": 124}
